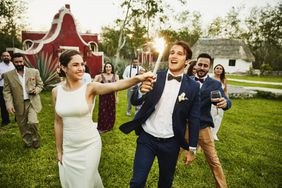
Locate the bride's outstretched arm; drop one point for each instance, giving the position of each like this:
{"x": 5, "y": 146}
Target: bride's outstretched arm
{"x": 100, "y": 89}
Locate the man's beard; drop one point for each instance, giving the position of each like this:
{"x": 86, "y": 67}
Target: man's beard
{"x": 202, "y": 73}
{"x": 19, "y": 67}
{"x": 7, "y": 61}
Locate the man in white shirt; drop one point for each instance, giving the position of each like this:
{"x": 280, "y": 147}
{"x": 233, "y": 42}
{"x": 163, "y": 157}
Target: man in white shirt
{"x": 167, "y": 104}
{"x": 5, "y": 66}
{"x": 130, "y": 71}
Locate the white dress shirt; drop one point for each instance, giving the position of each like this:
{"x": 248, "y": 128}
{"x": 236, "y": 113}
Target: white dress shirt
{"x": 134, "y": 70}
{"x": 5, "y": 68}
{"x": 22, "y": 80}
{"x": 204, "y": 78}
{"x": 159, "y": 124}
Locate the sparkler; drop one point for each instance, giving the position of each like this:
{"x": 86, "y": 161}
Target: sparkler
{"x": 160, "y": 46}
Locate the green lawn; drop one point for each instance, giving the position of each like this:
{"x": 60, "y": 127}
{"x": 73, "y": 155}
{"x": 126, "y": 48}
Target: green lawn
{"x": 249, "y": 150}
{"x": 257, "y": 78}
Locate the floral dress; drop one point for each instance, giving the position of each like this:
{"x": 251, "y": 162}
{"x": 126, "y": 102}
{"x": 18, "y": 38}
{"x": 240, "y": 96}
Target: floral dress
{"x": 107, "y": 109}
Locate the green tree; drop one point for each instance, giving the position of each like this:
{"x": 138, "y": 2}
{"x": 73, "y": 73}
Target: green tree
{"x": 11, "y": 22}
{"x": 109, "y": 40}
{"x": 264, "y": 35}
{"x": 135, "y": 11}
{"x": 215, "y": 28}
{"x": 229, "y": 26}
{"x": 264, "y": 68}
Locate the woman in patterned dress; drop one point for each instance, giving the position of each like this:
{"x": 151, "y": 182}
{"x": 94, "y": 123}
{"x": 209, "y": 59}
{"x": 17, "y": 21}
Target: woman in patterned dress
{"x": 107, "y": 102}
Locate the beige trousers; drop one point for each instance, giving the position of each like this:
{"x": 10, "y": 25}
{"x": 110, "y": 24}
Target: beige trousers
{"x": 28, "y": 125}
{"x": 207, "y": 143}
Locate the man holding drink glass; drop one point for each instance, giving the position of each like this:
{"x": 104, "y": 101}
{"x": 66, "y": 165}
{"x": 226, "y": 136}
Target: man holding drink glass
{"x": 210, "y": 92}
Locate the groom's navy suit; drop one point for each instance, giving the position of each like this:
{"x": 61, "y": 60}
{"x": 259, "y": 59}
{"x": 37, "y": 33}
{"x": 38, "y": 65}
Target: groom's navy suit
{"x": 186, "y": 109}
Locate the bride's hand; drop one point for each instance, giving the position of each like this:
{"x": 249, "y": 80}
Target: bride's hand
{"x": 148, "y": 76}
{"x": 60, "y": 158}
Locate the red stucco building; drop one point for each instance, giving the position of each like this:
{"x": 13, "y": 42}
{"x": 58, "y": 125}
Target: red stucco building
{"x": 62, "y": 35}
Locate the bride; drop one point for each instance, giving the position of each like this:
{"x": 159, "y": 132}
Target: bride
{"x": 78, "y": 143}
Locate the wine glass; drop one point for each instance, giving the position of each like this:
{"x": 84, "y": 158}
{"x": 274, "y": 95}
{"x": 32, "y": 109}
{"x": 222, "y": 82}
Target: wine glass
{"x": 215, "y": 95}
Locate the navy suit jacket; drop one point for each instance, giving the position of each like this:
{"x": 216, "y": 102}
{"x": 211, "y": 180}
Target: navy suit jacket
{"x": 209, "y": 85}
{"x": 183, "y": 110}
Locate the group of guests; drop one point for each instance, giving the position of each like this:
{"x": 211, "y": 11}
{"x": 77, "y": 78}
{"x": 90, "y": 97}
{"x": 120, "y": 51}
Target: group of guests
{"x": 169, "y": 100}
{"x": 169, "y": 103}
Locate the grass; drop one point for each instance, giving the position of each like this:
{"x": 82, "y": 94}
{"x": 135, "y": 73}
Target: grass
{"x": 249, "y": 150}
{"x": 257, "y": 78}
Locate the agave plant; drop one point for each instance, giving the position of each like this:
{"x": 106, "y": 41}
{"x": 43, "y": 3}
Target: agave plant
{"x": 47, "y": 68}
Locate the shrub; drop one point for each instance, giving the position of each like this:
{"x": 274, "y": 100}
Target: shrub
{"x": 47, "y": 68}
{"x": 264, "y": 68}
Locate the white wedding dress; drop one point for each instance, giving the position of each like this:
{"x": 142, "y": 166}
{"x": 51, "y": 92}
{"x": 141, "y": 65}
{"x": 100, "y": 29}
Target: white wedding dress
{"x": 217, "y": 115}
{"x": 81, "y": 140}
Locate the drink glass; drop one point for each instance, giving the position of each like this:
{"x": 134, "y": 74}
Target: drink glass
{"x": 215, "y": 95}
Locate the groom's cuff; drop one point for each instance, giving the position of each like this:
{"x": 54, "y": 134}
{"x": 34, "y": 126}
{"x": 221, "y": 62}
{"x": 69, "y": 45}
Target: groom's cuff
{"x": 194, "y": 149}
{"x": 140, "y": 94}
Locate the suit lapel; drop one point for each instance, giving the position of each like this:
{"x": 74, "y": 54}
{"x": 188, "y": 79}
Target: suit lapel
{"x": 16, "y": 77}
{"x": 159, "y": 87}
{"x": 206, "y": 83}
{"x": 182, "y": 89}
{"x": 27, "y": 75}
{"x": 184, "y": 84}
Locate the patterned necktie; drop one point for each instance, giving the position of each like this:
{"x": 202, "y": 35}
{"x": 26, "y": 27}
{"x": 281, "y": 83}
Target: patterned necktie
{"x": 171, "y": 77}
{"x": 199, "y": 79}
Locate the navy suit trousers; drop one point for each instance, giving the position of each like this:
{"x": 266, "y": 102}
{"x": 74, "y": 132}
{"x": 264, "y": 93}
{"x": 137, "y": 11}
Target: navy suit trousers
{"x": 149, "y": 147}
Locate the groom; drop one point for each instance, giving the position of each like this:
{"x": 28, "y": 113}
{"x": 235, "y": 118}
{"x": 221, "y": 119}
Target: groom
{"x": 160, "y": 123}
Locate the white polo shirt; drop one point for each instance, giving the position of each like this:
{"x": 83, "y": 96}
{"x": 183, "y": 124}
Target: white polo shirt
{"x": 5, "y": 68}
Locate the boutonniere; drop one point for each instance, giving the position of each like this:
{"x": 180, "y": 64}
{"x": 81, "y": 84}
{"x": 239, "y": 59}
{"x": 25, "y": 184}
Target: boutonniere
{"x": 182, "y": 97}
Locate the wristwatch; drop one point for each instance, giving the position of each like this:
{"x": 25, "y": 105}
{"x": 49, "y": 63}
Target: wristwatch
{"x": 193, "y": 151}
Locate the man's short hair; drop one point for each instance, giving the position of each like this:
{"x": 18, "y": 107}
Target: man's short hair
{"x": 186, "y": 47}
{"x": 204, "y": 55}
{"x": 16, "y": 55}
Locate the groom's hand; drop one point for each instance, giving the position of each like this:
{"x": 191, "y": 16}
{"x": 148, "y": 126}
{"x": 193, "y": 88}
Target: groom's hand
{"x": 188, "y": 157}
{"x": 147, "y": 85}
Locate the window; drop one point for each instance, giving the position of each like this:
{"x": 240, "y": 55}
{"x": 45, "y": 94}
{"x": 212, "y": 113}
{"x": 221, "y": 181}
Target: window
{"x": 232, "y": 62}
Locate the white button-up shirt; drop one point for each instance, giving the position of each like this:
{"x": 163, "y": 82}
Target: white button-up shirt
{"x": 22, "y": 80}
{"x": 159, "y": 124}
{"x": 5, "y": 68}
{"x": 204, "y": 78}
{"x": 131, "y": 71}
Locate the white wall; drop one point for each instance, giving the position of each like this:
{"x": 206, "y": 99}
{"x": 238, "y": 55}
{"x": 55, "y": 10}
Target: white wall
{"x": 240, "y": 65}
